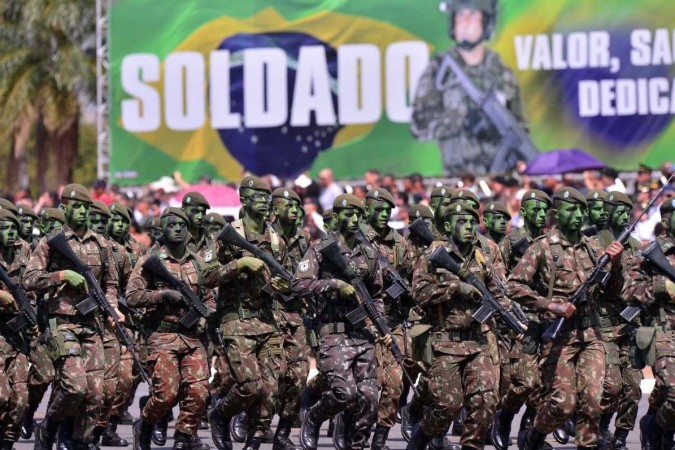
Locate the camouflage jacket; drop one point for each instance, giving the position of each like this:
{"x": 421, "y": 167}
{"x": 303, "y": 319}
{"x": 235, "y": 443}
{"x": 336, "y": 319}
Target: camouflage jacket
{"x": 646, "y": 286}
{"x": 203, "y": 247}
{"x": 143, "y": 285}
{"x": 15, "y": 270}
{"x": 394, "y": 247}
{"x": 511, "y": 256}
{"x": 44, "y": 271}
{"x": 296, "y": 247}
{"x": 553, "y": 263}
{"x": 316, "y": 279}
{"x": 435, "y": 289}
{"x": 440, "y": 115}
{"x": 243, "y": 306}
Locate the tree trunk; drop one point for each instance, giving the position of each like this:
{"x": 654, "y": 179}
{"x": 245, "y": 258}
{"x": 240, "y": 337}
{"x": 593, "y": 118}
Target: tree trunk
{"x": 17, "y": 171}
{"x": 64, "y": 144}
{"x": 42, "y": 153}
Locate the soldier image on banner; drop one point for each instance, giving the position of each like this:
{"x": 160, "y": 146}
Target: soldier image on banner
{"x": 470, "y": 134}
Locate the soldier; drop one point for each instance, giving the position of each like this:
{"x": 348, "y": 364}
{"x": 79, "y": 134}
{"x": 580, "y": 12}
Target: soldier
{"x": 391, "y": 245}
{"x": 199, "y": 241}
{"x": 127, "y": 255}
{"x": 496, "y": 218}
{"x": 13, "y": 346}
{"x": 445, "y": 113}
{"x": 621, "y": 389}
{"x": 648, "y": 286}
{"x": 346, "y": 357}
{"x": 250, "y": 336}
{"x": 28, "y": 220}
{"x": 288, "y": 315}
{"x": 154, "y": 231}
{"x": 572, "y": 365}
{"x": 76, "y": 338}
{"x": 597, "y": 214}
{"x": 328, "y": 221}
{"x": 524, "y": 380}
{"x": 441, "y": 198}
{"x": 213, "y": 223}
{"x": 41, "y": 372}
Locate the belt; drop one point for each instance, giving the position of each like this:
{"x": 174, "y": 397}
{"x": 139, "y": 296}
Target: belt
{"x": 245, "y": 314}
{"x": 293, "y": 306}
{"x": 337, "y": 328}
{"x": 471, "y": 334}
{"x": 170, "y": 327}
{"x": 78, "y": 319}
{"x": 609, "y": 321}
{"x": 580, "y": 323}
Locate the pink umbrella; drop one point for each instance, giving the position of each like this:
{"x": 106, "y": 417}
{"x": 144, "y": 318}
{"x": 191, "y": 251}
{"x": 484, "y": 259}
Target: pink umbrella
{"x": 218, "y": 195}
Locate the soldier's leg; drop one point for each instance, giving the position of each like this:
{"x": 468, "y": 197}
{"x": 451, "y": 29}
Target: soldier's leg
{"x": 40, "y": 376}
{"x": 559, "y": 385}
{"x": 365, "y": 408}
{"x": 445, "y": 393}
{"x": 631, "y": 393}
{"x": 589, "y": 372}
{"x": 524, "y": 380}
{"x": 297, "y": 368}
{"x": 611, "y": 386}
{"x": 111, "y": 369}
{"x": 17, "y": 372}
{"x": 93, "y": 360}
{"x": 165, "y": 381}
{"x": 125, "y": 385}
{"x": 334, "y": 362}
{"x": 480, "y": 399}
{"x": 390, "y": 379}
{"x": 664, "y": 372}
{"x": 194, "y": 375}
{"x": 5, "y": 389}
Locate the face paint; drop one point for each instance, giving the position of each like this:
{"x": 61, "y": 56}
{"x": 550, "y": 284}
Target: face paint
{"x": 26, "y": 223}
{"x": 287, "y": 211}
{"x": 196, "y": 215}
{"x": 570, "y": 217}
{"x": 256, "y": 203}
{"x": 347, "y": 222}
{"x": 462, "y": 228}
{"x": 49, "y": 225}
{"x": 378, "y": 214}
{"x": 98, "y": 223}
{"x": 620, "y": 217}
{"x": 175, "y": 229}
{"x": 119, "y": 227}
{"x": 8, "y": 233}
{"x": 597, "y": 215}
{"x": 77, "y": 214}
{"x": 439, "y": 212}
{"x": 534, "y": 213}
{"x": 496, "y": 223}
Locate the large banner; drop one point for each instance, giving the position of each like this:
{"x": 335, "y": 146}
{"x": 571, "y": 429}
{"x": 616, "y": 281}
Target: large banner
{"x": 215, "y": 87}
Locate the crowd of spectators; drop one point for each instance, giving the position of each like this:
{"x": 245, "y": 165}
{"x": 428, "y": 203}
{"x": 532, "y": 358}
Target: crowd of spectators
{"x": 147, "y": 202}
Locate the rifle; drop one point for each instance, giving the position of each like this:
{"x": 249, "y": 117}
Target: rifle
{"x": 489, "y": 305}
{"x": 598, "y": 274}
{"x": 653, "y": 253}
{"x": 398, "y": 285}
{"x": 196, "y": 308}
{"x": 521, "y": 245}
{"x": 228, "y": 235}
{"x": 513, "y": 135}
{"x": 331, "y": 251}
{"x": 421, "y": 231}
{"x": 97, "y": 299}
{"x": 26, "y": 315}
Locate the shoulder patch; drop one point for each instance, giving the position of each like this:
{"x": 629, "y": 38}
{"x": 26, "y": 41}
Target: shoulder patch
{"x": 303, "y": 266}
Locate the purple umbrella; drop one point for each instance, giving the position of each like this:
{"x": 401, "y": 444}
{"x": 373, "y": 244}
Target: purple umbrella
{"x": 563, "y": 161}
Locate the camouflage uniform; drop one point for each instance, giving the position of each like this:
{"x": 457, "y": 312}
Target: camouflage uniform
{"x": 441, "y": 116}
{"x": 462, "y": 372}
{"x": 646, "y": 285}
{"x": 250, "y": 336}
{"x": 80, "y": 361}
{"x": 176, "y": 355}
{"x": 288, "y": 317}
{"x": 13, "y": 349}
{"x": 346, "y": 356}
{"x": 573, "y": 365}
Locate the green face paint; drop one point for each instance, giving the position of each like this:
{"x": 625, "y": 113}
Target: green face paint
{"x": 570, "y": 217}
{"x": 8, "y": 233}
{"x": 597, "y": 215}
{"x": 119, "y": 227}
{"x": 175, "y": 229}
{"x": 620, "y": 217}
{"x": 462, "y": 228}
{"x": 287, "y": 211}
{"x": 196, "y": 215}
{"x": 77, "y": 214}
{"x": 98, "y": 223}
{"x": 347, "y": 221}
{"x": 26, "y": 224}
{"x": 496, "y": 223}
{"x": 534, "y": 213}
{"x": 378, "y": 214}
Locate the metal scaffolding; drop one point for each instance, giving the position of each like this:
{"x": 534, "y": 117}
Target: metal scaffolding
{"x": 102, "y": 106}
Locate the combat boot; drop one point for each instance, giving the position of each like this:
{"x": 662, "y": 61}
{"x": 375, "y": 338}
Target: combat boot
{"x": 7, "y": 445}
{"x": 418, "y": 440}
{"x": 380, "y": 438}
{"x": 309, "y": 430}
{"x": 268, "y": 437}
{"x": 126, "y": 418}
{"x": 667, "y": 440}
{"x": 282, "y": 438}
{"x": 97, "y": 433}
{"x": 442, "y": 443}
{"x": 142, "y": 435}
{"x": 252, "y": 443}
{"x": 501, "y": 429}
{"x": 331, "y": 427}
{"x": 110, "y": 437}
{"x": 606, "y": 439}
{"x": 28, "y": 425}
{"x": 409, "y": 417}
{"x": 239, "y": 427}
{"x": 197, "y": 444}
{"x": 65, "y": 434}
{"x": 620, "y": 437}
{"x": 220, "y": 430}
{"x": 534, "y": 440}
{"x": 182, "y": 441}
{"x": 159, "y": 431}
{"x": 561, "y": 435}
{"x": 571, "y": 424}
{"x": 340, "y": 432}
{"x": 458, "y": 423}
{"x": 651, "y": 433}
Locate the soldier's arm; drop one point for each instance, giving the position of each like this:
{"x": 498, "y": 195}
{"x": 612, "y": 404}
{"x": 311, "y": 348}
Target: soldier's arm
{"x": 498, "y": 276}
{"x": 110, "y": 278}
{"x": 519, "y": 286}
{"x": 7, "y": 302}
{"x": 138, "y": 293}
{"x": 225, "y": 269}
{"x": 377, "y": 285}
{"x": 427, "y": 290}
{"x": 306, "y": 282}
{"x": 37, "y": 278}
{"x": 638, "y": 288}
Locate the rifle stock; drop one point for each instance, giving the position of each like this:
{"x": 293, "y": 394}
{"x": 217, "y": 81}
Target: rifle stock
{"x": 59, "y": 242}
{"x": 421, "y": 231}
{"x": 26, "y": 316}
{"x": 397, "y": 285}
{"x": 331, "y": 251}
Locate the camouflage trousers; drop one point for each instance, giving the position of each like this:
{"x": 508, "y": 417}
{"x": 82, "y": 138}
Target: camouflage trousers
{"x": 13, "y": 391}
{"x": 390, "y": 377}
{"x": 461, "y": 374}
{"x": 631, "y": 393}
{"x": 78, "y": 384}
{"x": 127, "y": 381}
{"x": 349, "y": 366}
{"x": 222, "y": 381}
{"x": 611, "y": 385}
{"x": 40, "y": 375}
{"x": 523, "y": 380}
{"x": 111, "y": 370}
{"x": 256, "y": 362}
{"x": 662, "y": 398}
{"x": 292, "y": 383}
{"x": 572, "y": 373}
{"x": 179, "y": 375}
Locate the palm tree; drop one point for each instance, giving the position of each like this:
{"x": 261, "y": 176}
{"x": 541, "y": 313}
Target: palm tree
{"x": 47, "y": 66}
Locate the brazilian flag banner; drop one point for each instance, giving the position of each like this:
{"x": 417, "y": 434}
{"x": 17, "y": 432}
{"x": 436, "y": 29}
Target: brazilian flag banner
{"x": 214, "y": 87}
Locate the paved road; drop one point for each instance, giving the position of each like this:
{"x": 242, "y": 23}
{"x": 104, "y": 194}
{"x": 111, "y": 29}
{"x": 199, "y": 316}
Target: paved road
{"x": 395, "y": 441}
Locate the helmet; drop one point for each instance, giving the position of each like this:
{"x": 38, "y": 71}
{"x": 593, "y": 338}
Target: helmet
{"x": 489, "y": 8}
